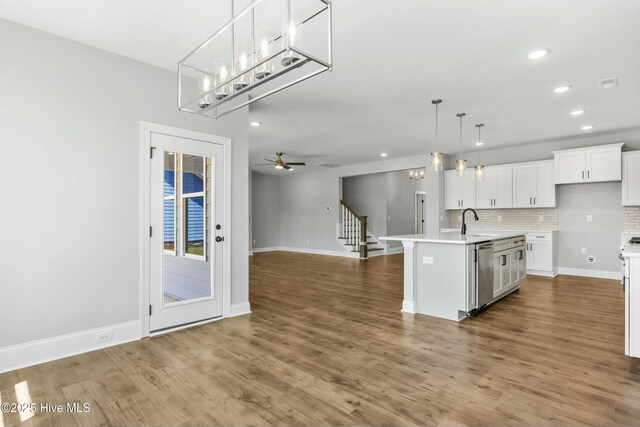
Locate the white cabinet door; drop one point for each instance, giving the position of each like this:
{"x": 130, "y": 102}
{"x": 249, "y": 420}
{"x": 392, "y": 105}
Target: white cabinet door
{"x": 524, "y": 185}
{"x": 603, "y": 164}
{"x": 631, "y": 179}
{"x": 452, "y": 190}
{"x": 486, "y": 189}
{"x": 501, "y": 272}
{"x": 570, "y": 167}
{"x": 540, "y": 256}
{"x": 497, "y": 275}
{"x": 518, "y": 265}
{"x": 468, "y": 190}
{"x": 503, "y": 197}
{"x": 545, "y": 195}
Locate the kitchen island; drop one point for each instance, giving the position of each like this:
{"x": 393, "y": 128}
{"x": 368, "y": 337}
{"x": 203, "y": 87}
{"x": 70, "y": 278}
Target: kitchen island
{"x": 631, "y": 282}
{"x": 450, "y": 275}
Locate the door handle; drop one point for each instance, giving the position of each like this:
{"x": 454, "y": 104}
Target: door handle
{"x": 219, "y": 239}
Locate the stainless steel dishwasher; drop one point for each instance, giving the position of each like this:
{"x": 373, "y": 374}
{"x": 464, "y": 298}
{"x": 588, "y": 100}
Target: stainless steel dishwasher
{"x": 484, "y": 284}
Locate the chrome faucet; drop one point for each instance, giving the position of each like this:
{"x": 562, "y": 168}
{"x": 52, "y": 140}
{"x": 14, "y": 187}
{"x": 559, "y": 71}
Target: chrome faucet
{"x": 463, "y": 231}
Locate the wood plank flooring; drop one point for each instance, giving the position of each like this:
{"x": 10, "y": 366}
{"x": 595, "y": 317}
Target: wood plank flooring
{"x": 326, "y": 344}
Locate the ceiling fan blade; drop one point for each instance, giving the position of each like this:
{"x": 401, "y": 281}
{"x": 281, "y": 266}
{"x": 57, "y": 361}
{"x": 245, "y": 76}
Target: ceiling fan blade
{"x": 297, "y": 163}
{"x": 272, "y": 161}
{"x": 287, "y": 167}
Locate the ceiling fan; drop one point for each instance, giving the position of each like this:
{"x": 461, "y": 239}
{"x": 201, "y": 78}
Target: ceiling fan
{"x": 281, "y": 164}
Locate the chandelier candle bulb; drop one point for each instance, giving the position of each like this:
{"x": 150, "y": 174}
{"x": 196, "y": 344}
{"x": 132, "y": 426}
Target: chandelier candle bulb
{"x": 205, "y": 86}
{"x": 242, "y": 81}
{"x": 223, "y": 74}
{"x": 291, "y": 40}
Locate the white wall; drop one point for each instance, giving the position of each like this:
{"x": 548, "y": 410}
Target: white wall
{"x": 70, "y": 130}
{"x": 367, "y": 195}
{"x": 265, "y": 207}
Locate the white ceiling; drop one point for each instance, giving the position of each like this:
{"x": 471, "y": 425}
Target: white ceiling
{"x": 391, "y": 58}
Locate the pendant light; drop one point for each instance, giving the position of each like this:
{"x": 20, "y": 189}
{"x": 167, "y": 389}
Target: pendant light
{"x": 480, "y": 167}
{"x": 461, "y": 164}
{"x": 436, "y": 156}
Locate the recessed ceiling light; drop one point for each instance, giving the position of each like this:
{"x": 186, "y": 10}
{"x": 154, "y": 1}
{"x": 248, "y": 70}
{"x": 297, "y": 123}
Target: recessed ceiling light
{"x": 577, "y": 112}
{"x": 562, "y": 89}
{"x": 587, "y": 127}
{"x": 383, "y": 154}
{"x": 256, "y": 124}
{"x": 537, "y": 54}
{"x": 479, "y": 143}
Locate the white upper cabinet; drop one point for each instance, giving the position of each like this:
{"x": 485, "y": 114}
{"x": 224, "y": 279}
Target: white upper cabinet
{"x": 592, "y": 164}
{"x": 495, "y": 191}
{"x": 533, "y": 185}
{"x": 460, "y": 191}
{"x": 631, "y": 179}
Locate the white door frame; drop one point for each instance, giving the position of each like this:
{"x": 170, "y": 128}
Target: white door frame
{"x": 146, "y": 130}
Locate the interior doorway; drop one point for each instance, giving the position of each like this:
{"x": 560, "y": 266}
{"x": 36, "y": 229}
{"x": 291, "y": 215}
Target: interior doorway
{"x": 187, "y": 217}
{"x": 420, "y": 212}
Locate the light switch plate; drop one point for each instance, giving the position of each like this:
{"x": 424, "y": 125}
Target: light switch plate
{"x": 499, "y": 218}
{"x": 583, "y": 251}
{"x": 589, "y": 218}
{"x": 427, "y": 260}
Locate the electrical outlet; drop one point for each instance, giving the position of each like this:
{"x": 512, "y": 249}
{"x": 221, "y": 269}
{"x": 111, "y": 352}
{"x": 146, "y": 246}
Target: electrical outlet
{"x": 441, "y": 218}
{"x": 104, "y": 336}
{"x": 589, "y": 218}
{"x": 541, "y": 218}
{"x": 499, "y": 218}
{"x": 427, "y": 260}
{"x": 591, "y": 259}
{"x": 460, "y": 218}
{"x": 583, "y": 251}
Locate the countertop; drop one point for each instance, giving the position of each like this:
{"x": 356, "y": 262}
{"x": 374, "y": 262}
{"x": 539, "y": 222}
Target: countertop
{"x": 490, "y": 230}
{"x": 631, "y": 251}
{"x": 454, "y": 237}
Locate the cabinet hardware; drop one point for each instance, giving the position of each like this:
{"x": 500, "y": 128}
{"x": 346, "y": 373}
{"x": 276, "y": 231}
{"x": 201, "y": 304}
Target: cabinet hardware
{"x": 582, "y": 174}
{"x": 588, "y": 174}
{"x": 503, "y": 260}
{"x": 530, "y": 200}
{"x": 534, "y": 200}
{"x": 521, "y": 253}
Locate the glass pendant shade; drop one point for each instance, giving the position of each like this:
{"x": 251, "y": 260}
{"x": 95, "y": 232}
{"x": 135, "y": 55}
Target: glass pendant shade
{"x": 461, "y": 167}
{"x": 480, "y": 173}
{"x": 436, "y": 162}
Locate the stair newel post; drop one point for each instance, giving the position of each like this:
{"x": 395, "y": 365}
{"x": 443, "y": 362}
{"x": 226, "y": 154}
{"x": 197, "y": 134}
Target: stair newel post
{"x": 357, "y": 234}
{"x": 364, "y": 254}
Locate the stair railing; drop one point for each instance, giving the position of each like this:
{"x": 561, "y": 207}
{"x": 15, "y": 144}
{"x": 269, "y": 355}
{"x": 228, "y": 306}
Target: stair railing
{"x": 354, "y": 229}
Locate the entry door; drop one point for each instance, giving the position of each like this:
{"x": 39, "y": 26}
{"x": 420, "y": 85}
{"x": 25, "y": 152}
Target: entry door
{"x": 420, "y": 210}
{"x": 186, "y": 197}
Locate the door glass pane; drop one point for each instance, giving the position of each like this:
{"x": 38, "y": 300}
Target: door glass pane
{"x": 169, "y": 225}
{"x": 192, "y": 174}
{"x": 186, "y": 264}
{"x": 169, "y": 174}
{"x": 194, "y": 225}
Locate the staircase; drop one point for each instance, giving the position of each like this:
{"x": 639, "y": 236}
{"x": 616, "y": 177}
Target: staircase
{"x": 353, "y": 233}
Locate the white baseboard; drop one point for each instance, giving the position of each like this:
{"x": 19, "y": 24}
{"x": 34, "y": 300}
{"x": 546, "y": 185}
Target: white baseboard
{"x": 309, "y": 251}
{"x": 45, "y": 350}
{"x": 408, "y": 306}
{"x": 269, "y": 249}
{"x": 240, "y": 309}
{"x": 599, "y": 274}
{"x": 541, "y": 273}
{"x": 250, "y": 253}
{"x": 395, "y": 251}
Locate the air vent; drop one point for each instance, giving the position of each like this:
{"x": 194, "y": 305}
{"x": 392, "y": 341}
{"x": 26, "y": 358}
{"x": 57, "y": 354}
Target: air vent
{"x": 327, "y": 165}
{"x": 609, "y": 83}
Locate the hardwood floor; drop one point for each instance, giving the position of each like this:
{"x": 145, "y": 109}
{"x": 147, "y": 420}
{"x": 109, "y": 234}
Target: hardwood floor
{"x": 326, "y": 344}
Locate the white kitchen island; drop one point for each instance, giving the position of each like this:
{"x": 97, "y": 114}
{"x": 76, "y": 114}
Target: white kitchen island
{"x": 441, "y": 270}
{"x": 631, "y": 254}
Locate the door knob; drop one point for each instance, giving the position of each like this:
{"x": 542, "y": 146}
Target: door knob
{"x": 219, "y": 239}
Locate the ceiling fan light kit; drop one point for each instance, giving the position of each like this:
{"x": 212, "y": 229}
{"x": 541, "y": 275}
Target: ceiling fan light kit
{"x": 259, "y": 52}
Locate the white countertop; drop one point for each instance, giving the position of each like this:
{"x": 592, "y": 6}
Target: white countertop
{"x": 631, "y": 251}
{"x": 489, "y": 230}
{"x": 454, "y": 237}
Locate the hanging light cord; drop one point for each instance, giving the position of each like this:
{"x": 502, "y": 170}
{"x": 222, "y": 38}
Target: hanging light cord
{"x": 480, "y": 152}
{"x": 437, "y": 128}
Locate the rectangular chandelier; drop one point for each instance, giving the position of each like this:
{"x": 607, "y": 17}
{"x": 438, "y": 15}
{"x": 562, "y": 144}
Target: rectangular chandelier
{"x": 266, "y": 47}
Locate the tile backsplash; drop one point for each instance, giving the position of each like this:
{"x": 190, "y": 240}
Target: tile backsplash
{"x": 632, "y": 218}
{"x": 511, "y": 219}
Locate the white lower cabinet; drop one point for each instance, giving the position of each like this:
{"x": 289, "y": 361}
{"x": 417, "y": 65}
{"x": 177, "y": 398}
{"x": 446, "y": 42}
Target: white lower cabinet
{"x": 542, "y": 253}
{"x": 519, "y": 264}
{"x": 501, "y": 272}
